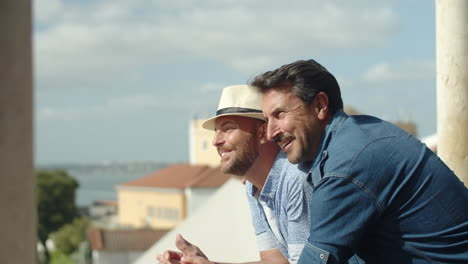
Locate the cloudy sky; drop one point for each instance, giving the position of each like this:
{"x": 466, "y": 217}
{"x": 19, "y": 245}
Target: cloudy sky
{"x": 119, "y": 80}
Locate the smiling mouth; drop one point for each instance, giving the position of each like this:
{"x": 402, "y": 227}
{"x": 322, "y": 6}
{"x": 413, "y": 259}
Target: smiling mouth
{"x": 284, "y": 142}
{"x": 222, "y": 154}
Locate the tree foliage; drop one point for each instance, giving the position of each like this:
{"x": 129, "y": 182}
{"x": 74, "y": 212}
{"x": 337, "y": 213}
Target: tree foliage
{"x": 56, "y": 202}
{"x": 58, "y": 257}
{"x": 68, "y": 238}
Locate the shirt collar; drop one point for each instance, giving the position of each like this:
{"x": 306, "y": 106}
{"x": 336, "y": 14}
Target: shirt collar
{"x": 333, "y": 125}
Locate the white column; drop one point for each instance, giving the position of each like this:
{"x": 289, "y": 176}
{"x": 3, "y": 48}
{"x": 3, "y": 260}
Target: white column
{"x": 17, "y": 181}
{"x": 452, "y": 84}
{"x": 192, "y": 141}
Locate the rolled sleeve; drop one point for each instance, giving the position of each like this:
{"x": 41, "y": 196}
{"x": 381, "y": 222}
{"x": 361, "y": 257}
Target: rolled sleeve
{"x": 266, "y": 240}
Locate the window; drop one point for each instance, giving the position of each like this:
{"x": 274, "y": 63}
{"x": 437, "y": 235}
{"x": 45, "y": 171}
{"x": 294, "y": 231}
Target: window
{"x": 205, "y": 145}
{"x": 150, "y": 211}
{"x": 164, "y": 213}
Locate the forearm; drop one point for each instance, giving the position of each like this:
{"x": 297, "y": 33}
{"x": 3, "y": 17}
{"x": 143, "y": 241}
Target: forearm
{"x": 271, "y": 256}
{"x": 266, "y": 261}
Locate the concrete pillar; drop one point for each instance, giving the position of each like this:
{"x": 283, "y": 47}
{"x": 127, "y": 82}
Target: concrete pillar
{"x": 452, "y": 84}
{"x": 17, "y": 182}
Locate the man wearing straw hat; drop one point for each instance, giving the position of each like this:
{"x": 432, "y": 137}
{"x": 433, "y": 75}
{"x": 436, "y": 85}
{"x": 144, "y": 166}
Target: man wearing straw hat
{"x": 279, "y": 204}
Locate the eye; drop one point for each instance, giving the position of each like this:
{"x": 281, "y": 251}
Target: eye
{"x": 280, "y": 114}
{"x": 228, "y": 128}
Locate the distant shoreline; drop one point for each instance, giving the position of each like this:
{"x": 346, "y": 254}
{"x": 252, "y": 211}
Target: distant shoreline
{"x": 98, "y": 181}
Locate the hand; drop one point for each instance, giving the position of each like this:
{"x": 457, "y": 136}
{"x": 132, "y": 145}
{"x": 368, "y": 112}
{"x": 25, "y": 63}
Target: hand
{"x": 191, "y": 254}
{"x": 169, "y": 257}
{"x": 188, "y": 248}
{"x": 192, "y": 259}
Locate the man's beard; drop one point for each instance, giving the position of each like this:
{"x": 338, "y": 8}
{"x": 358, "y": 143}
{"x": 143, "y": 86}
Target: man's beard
{"x": 241, "y": 163}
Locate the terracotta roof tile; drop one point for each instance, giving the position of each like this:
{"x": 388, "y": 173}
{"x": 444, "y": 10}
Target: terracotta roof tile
{"x": 182, "y": 176}
{"x": 212, "y": 177}
{"x": 107, "y": 202}
{"x": 124, "y": 240}
{"x": 174, "y": 176}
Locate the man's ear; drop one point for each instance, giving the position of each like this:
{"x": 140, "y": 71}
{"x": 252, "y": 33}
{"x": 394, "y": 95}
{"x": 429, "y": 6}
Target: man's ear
{"x": 321, "y": 105}
{"x": 261, "y": 133}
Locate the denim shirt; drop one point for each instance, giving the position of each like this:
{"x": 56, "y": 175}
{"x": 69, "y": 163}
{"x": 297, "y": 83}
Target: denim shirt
{"x": 287, "y": 193}
{"x": 382, "y": 194}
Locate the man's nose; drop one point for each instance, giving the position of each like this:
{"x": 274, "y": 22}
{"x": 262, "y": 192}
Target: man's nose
{"x": 217, "y": 139}
{"x": 272, "y": 130}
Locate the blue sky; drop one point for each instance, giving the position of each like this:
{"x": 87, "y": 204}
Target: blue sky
{"x": 119, "y": 80}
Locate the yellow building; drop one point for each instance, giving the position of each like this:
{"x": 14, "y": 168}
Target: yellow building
{"x": 202, "y": 152}
{"x": 163, "y": 199}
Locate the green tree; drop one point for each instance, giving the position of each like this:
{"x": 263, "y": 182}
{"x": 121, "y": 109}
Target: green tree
{"x": 56, "y": 203}
{"x": 58, "y": 257}
{"x": 68, "y": 238}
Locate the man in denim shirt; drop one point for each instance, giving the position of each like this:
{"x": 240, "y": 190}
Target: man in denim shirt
{"x": 378, "y": 191}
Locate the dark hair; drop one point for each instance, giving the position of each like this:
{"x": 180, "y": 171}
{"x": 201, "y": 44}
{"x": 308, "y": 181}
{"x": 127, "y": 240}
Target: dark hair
{"x": 306, "y": 79}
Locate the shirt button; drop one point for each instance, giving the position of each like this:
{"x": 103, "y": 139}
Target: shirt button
{"x": 322, "y": 256}
{"x": 324, "y": 154}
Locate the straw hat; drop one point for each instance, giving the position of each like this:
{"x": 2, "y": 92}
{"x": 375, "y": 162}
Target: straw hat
{"x": 237, "y": 100}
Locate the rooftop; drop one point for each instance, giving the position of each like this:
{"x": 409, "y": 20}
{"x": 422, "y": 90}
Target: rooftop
{"x": 182, "y": 176}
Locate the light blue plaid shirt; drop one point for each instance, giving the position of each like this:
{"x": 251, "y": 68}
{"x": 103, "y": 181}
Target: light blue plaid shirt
{"x": 287, "y": 193}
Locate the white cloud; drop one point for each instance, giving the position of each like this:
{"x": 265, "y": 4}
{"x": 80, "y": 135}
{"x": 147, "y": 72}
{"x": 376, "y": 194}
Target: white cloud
{"x": 47, "y": 10}
{"x": 116, "y": 107}
{"x": 345, "y": 82}
{"x": 124, "y": 107}
{"x": 116, "y": 37}
{"x": 212, "y": 87}
{"x": 409, "y": 70}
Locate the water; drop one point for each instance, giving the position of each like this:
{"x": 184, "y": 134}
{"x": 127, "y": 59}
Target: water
{"x": 99, "y": 182}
